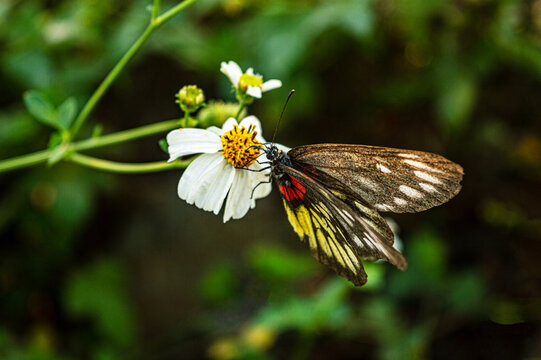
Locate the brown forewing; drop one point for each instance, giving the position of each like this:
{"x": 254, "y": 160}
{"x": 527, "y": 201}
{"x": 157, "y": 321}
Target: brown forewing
{"x": 388, "y": 179}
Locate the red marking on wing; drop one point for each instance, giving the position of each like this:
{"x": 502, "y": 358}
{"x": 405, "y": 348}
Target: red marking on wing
{"x": 296, "y": 191}
{"x": 298, "y": 185}
{"x": 292, "y": 193}
{"x": 283, "y": 190}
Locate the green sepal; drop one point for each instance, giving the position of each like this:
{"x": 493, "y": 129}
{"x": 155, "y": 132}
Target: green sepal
{"x": 164, "y": 145}
{"x": 191, "y": 123}
{"x": 41, "y": 108}
{"x": 244, "y": 98}
{"x": 97, "y": 131}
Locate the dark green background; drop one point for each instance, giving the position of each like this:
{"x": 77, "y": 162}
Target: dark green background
{"x": 100, "y": 266}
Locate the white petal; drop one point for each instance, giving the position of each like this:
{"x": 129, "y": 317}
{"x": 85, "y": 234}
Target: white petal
{"x": 215, "y": 130}
{"x": 232, "y": 70}
{"x": 250, "y": 71}
{"x": 270, "y": 85}
{"x": 192, "y": 141}
{"x": 254, "y": 91}
{"x": 219, "y": 186}
{"x": 206, "y": 182}
{"x": 238, "y": 201}
{"x": 193, "y": 174}
{"x": 228, "y": 124}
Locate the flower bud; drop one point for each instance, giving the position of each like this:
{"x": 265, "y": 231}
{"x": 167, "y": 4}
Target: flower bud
{"x": 190, "y": 98}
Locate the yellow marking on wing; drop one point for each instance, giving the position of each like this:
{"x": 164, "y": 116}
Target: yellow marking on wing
{"x": 294, "y": 222}
{"x": 323, "y": 243}
{"x": 342, "y": 252}
{"x": 334, "y": 248}
{"x": 304, "y": 220}
{"x": 352, "y": 256}
{"x": 343, "y": 248}
{"x": 339, "y": 194}
{"x": 301, "y": 219}
{"x": 324, "y": 210}
{"x": 319, "y": 220}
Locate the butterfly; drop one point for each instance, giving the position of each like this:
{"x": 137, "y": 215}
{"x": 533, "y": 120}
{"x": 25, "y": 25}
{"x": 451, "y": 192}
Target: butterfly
{"x": 332, "y": 194}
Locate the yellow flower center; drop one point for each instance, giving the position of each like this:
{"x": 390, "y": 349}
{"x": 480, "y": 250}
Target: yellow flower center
{"x": 249, "y": 80}
{"x": 238, "y": 145}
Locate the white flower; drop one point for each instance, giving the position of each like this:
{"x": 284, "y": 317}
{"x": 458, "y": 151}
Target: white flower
{"x": 248, "y": 82}
{"x": 215, "y": 174}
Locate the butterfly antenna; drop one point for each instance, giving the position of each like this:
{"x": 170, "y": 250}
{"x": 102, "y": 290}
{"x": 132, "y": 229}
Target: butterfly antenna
{"x": 282, "y": 114}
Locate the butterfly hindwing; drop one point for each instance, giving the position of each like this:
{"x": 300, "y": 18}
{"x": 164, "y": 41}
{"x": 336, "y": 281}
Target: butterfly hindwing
{"x": 388, "y": 179}
{"x": 338, "y": 234}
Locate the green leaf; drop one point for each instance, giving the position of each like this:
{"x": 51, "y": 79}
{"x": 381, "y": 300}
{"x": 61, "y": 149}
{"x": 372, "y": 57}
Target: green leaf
{"x": 66, "y": 112}
{"x": 55, "y": 140}
{"x": 40, "y": 107}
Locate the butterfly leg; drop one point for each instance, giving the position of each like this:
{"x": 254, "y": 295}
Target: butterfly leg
{"x": 253, "y": 170}
{"x": 260, "y": 183}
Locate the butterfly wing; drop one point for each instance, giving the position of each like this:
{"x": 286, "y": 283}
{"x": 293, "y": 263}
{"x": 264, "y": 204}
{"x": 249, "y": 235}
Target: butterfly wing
{"x": 389, "y": 179}
{"x": 338, "y": 234}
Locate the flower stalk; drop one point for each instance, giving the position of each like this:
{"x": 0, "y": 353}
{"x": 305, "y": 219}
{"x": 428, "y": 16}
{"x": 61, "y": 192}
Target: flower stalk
{"x": 242, "y": 105}
{"x": 126, "y": 168}
{"x": 156, "y": 21}
{"x": 92, "y": 143}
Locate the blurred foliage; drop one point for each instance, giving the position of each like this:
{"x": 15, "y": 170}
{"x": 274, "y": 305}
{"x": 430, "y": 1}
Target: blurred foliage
{"x": 102, "y": 267}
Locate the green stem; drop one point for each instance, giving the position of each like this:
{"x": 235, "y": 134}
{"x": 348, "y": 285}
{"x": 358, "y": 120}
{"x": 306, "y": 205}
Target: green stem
{"x": 111, "y": 139}
{"x": 100, "y": 91}
{"x": 42, "y": 156}
{"x": 241, "y": 107}
{"x": 155, "y": 10}
{"x": 25, "y": 160}
{"x": 126, "y": 168}
{"x": 126, "y": 135}
{"x": 155, "y": 23}
{"x": 172, "y": 12}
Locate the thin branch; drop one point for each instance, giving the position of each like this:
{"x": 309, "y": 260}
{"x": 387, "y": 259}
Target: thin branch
{"x": 126, "y": 168}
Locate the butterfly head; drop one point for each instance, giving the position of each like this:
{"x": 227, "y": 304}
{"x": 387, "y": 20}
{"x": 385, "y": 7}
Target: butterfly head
{"x": 275, "y": 155}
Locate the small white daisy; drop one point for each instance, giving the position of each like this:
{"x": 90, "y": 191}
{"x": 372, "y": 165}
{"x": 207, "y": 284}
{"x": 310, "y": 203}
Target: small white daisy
{"x": 248, "y": 82}
{"x": 215, "y": 174}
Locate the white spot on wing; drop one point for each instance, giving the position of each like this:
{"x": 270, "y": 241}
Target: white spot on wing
{"x": 357, "y": 241}
{"x": 428, "y": 187}
{"x": 400, "y": 202}
{"x": 369, "y": 184}
{"x": 384, "y": 207}
{"x": 409, "y": 155}
{"x": 410, "y": 192}
{"x": 348, "y": 217}
{"x": 421, "y": 165}
{"x": 383, "y": 168}
{"x": 427, "y": 177}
